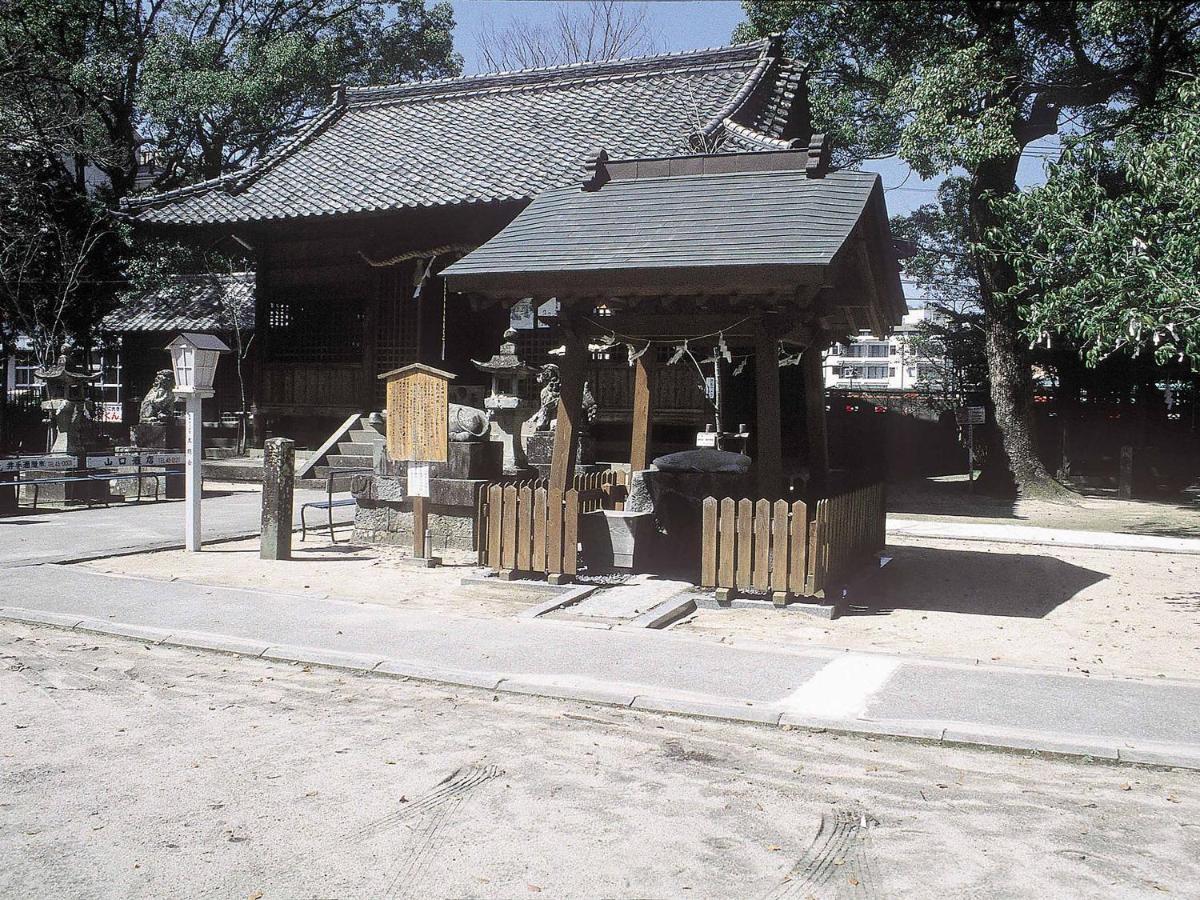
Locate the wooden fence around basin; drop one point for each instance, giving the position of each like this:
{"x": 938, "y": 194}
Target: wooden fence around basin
{"x": 790, "y": 550}
{"x": 520, "y": 526}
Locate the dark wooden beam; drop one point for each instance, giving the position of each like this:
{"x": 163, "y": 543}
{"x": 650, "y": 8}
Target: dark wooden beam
{"x": 639, "y": 444}
{"x": 769, "y": 455}
{"x": 814, "y": 417}
{"x": 569, "y": 421}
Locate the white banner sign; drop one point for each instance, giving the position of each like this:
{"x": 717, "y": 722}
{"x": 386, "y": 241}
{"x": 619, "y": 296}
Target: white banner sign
{"x": 418, "y": 480}
{"x": 121, "y": 460}
{"x": 26, "y": 463}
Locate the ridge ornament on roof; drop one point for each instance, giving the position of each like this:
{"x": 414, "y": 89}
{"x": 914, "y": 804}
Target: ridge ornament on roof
{"x": 380, "y": 149}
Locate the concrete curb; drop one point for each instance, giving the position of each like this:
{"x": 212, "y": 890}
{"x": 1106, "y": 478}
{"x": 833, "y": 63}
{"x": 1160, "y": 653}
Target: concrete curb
{"x": 567, "y": 688}
{"x": 930, "y": 535}
{"x": 564, "y": 596}
{"x": 663, "y": 615}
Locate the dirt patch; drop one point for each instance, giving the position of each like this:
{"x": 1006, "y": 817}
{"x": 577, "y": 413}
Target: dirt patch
{"x": 1091, "y": 611}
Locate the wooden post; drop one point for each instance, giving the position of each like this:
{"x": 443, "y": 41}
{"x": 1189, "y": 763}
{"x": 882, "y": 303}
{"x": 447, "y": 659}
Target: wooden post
{"x": 639, "y": 448}
{"x": 814, "y": 417}
{"x": 570, "y": 402}
{"x": 769, "y": 461}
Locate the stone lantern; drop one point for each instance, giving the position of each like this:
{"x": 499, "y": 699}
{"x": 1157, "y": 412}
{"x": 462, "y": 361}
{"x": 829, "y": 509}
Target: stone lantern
{"x": 504, "y": 406}
{"x": 65, "y": 403}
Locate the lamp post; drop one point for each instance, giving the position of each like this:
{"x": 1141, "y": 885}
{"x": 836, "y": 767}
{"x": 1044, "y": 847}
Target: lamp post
{"x": 194, "y": 359}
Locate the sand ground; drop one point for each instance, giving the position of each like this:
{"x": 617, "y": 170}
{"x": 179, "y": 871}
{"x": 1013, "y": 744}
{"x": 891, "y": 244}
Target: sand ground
{"x": 1099, "y": 612}
{"x": 947, "y": 498}
{"x": 131, "y": 770}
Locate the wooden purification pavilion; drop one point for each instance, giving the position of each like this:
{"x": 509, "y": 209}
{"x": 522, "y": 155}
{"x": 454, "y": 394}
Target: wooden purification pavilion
{"x": 768, "y": 254}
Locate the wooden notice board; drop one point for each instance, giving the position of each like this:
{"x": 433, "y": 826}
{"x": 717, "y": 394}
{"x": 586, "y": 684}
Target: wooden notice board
{"x": 417, "y": 413}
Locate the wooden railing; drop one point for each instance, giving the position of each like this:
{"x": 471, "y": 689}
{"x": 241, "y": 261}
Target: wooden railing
{"x": 789, "y": 550}
{"x": 522, "y": 526}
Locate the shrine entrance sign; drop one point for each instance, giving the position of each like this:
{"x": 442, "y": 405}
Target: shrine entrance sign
{"x": 418, "y": 398}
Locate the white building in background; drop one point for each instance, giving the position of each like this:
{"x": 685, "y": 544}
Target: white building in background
{"x": 872, "y": 363}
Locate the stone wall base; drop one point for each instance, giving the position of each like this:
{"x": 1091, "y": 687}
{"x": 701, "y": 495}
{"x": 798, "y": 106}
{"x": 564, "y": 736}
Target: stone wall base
{"x": 390, "y": 523}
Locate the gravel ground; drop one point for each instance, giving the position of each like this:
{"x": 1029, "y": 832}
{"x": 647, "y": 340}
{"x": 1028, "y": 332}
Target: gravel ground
{"x": 129, "y": 770}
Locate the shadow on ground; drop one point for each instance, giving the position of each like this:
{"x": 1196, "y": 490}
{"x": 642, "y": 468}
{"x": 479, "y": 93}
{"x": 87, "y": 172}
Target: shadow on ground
{"x": 974, "y": 583}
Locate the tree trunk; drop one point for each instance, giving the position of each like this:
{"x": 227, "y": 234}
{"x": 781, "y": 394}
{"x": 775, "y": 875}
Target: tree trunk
{"x": 1013, "y": 463}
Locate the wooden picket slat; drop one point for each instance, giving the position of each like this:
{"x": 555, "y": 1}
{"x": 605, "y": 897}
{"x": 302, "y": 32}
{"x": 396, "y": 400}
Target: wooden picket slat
{"x": 760, "y": 575}
{"x": 798, "y": 561}
{"x": 508, "y": 525}
{"x": 570, "y": 543}
{"x": 554, "y": 531}
{"x": 494, "y": 512}
{"x": 745, "y": 543}
{"x": 728, "y": 542}
{"x": 780, "y": 549}
{"x": 709, "y": 542}
{"x": 524, "y": 527}
{"x": 537, "y": 562}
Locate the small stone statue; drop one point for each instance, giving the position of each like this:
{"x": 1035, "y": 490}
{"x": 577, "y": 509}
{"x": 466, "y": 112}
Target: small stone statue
{"x": 159, "y": 402}
{"x": 551, "y": 390}
{"x": 551, "y": 387}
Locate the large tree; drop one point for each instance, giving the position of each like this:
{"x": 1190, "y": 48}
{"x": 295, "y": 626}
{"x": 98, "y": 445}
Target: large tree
{"x": 966, "y": 86}
{"x": 1107, "y": 251}
{"x": 203, "y": 87}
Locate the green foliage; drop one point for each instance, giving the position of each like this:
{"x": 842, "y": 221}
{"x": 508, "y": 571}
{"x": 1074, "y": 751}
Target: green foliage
{"x": 222, "y": 86}
{"x": 1107, "y": 252}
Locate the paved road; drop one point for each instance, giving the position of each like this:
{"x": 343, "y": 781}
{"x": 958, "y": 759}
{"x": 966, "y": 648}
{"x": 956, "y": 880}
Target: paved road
{"x": 1139, "y": 720}
{"x": 130, "y": 770}
{"x": 45, "y": 536}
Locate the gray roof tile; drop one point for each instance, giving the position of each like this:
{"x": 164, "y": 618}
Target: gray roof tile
{"x": 188, "y": 303}
{"x": 498, "y": 137}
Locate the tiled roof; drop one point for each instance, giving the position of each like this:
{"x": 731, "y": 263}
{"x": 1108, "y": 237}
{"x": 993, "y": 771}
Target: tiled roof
{"x": 679, "y": 221}
{"x": 189, "y": 303}
{"x": 506, "y": 136}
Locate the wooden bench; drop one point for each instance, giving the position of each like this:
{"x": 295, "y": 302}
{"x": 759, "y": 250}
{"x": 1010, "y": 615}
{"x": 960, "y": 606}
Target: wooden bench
{"x": 329, "y": 504}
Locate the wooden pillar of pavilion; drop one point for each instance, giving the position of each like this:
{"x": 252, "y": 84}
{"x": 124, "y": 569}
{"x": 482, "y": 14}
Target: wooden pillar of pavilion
{"x": 568, "y": 422}
{"x": 814, "y": 417}
{"x": 769, "y": 455}
{"x": 643, "y": 379}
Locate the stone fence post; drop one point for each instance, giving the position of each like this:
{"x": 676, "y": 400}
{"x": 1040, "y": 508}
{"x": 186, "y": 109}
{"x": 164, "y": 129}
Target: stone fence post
{"x": 279, "y": 467}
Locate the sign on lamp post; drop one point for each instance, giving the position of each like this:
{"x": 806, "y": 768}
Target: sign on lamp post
{"x": 194, "y": 360}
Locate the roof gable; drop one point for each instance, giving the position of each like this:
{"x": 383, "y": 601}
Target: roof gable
{"x": 498, "y": 137}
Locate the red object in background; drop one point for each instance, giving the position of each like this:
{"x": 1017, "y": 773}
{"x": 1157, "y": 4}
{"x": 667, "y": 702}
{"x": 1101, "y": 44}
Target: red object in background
{"x": 880, "y": 409}
{"x": 850, "y": 407}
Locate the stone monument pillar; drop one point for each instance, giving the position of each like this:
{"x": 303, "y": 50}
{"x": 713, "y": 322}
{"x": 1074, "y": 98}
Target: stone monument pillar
{"x": 279, "y": 469}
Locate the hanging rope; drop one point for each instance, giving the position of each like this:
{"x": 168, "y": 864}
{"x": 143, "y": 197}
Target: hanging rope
{"x": 416, "y": 254}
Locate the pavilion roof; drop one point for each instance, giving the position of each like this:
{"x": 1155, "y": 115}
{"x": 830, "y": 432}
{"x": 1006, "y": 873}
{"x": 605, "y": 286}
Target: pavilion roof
{"x": 498, "y": 137}
{"x": 713, "y": 232}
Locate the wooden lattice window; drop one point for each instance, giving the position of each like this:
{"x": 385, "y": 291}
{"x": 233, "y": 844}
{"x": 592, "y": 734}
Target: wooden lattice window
{"x": 314, "y": 328}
